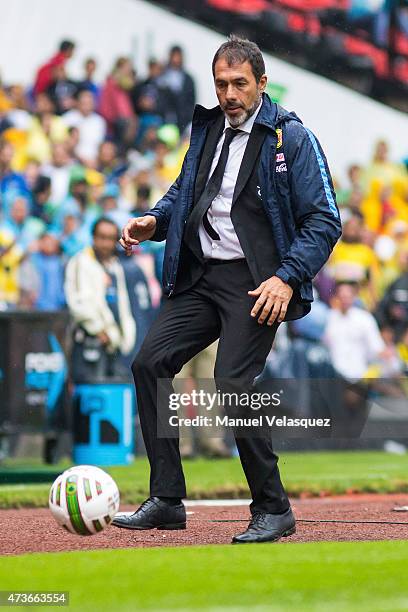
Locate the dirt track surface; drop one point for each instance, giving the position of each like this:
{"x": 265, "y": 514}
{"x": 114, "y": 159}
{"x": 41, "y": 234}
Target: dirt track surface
{"x": 24, "y": 531}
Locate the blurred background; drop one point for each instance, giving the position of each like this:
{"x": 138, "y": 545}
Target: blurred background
{"x": 95, "y": 109}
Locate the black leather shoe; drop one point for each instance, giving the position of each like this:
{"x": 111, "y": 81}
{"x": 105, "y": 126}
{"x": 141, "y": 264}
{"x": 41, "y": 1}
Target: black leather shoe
{"x": 264, "y": 527}
{"x": 154, "y": 513}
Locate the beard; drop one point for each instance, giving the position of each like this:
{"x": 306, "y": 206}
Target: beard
{"x": 238, "y": 120}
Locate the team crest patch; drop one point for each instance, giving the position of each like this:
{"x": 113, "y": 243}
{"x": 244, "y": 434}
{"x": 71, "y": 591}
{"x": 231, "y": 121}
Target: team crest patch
{"x": 281, "y": 168}
{"x": 280, "y": 157}
{"x": 279, "y": 135}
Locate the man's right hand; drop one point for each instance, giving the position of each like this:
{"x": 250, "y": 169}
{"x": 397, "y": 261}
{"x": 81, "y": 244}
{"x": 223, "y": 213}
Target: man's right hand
{"x": 137, "y": 230}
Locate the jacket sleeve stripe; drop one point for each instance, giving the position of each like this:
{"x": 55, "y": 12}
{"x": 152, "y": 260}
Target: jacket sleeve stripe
{"x": 323, "y": 172}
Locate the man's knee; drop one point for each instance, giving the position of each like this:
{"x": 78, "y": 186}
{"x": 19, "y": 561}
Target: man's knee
{"x": 145, "y": 362}
{"x": 232, "y": 373}
{"x": 153, "y": 363}
{"x": 138, "y": 363}
{"x": 238, "y": 368}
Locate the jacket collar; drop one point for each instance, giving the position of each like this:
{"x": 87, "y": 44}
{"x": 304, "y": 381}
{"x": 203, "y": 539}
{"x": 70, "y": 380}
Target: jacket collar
{"x": 270, "y": 115}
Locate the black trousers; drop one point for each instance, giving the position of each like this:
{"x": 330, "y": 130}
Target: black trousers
{"x": 218, "y": 306}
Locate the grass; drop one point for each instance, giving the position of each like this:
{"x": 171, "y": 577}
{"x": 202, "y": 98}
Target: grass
{"x": 327, "y": 577}
{"x": 304, "y": 473}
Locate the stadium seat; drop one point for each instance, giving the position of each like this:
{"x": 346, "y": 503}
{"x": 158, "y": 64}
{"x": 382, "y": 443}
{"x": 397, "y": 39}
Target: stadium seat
{"x": 356, "y": 48}
{"x": 401, "y": 71}
{"x": 308, "y": 5}
{"x": 242, "y": 7}
{"x": 401, "y": 43}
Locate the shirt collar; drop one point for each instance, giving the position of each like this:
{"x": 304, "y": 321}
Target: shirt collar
{"x": 247, "y": 126}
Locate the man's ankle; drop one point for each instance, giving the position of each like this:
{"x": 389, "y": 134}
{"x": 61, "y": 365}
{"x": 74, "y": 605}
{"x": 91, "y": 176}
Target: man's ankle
{"x": 172, "y": 501}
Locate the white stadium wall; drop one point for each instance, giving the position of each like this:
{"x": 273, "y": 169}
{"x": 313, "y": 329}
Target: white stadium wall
{"x": 346, "y": 123}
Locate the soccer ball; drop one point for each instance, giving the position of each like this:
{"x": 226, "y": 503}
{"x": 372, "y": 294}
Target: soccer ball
{"x": 84, "y": 499}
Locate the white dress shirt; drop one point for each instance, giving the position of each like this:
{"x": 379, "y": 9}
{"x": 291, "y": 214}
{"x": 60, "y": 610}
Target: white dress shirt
{"x": 219, "y": 213}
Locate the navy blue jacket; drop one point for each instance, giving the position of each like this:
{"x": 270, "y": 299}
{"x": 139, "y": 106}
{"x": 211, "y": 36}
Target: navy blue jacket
{"x": 296, "y": 190}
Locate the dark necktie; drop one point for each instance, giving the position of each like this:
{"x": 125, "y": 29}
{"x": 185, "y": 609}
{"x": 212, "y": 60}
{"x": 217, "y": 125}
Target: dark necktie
{"x": 212, "y": 189}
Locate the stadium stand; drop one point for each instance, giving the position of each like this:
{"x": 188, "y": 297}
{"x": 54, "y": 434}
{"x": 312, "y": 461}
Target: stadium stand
{"x": 361, "y": 44}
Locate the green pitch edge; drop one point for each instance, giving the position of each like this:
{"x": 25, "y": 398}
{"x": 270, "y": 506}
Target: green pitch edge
{"x": 10, "y": 476}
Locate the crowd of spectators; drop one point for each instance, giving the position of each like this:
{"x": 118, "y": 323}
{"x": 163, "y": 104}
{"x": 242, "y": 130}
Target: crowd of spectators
{"x": 372, "y": 255}
{"x": 72, "y": 152}
{"x": 360, "y": 314}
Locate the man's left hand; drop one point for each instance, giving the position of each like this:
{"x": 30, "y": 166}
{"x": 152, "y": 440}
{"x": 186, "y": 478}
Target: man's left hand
{"x": 273, "y": 299}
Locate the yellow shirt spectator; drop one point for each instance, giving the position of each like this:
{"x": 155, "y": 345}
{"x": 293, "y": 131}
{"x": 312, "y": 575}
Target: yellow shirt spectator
{"x": 371, "y": 206}
{"x": 356, "y": 262}
{"x": 42, "y": 135}
{"x": 10, "y": 259}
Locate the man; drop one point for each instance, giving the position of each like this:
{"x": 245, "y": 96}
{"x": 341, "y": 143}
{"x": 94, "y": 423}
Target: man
{"x": 24, "y": 228}
{"x": 108, "y": 162}
{"x": 49, "y": 267}
{"x": 45, "y": 128}
{"x": 382, "y": 168}
{"x": 393, "y": 308}
{"x": 354, "y": 261}
{"x": 62, "y": 90}
{"x": 178, "y": 90}
{"x": 115, "y": 105}
{"x": 88, "y": 82}
{"x": 147, "y": 96}
{"x": 97, "y": 297}
{"x": 11, "y": 182}
{"x": 91, "y": 126}
{"x": 45, "y": 73}
{"x": 59, "y": 173}
{"x": 41, "y": 206}
{"x": 242, "y": 248}
{"x": 352, "y": 335}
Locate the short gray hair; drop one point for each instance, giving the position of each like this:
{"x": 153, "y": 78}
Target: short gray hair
{"x": 239, "y": 50}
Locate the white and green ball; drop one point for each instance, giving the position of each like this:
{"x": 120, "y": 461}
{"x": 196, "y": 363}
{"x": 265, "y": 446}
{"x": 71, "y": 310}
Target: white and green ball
{"x": 84, "y": 499}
